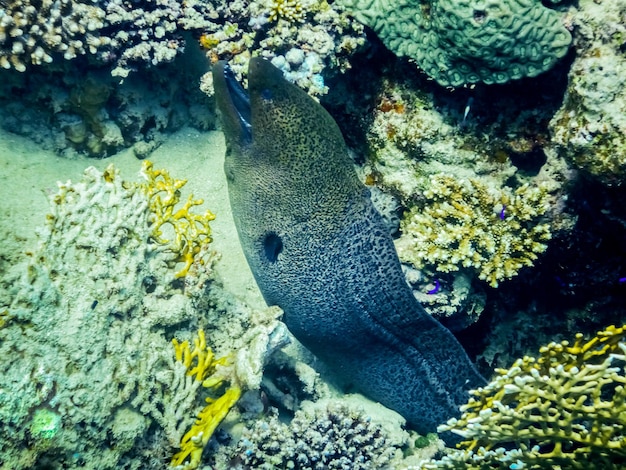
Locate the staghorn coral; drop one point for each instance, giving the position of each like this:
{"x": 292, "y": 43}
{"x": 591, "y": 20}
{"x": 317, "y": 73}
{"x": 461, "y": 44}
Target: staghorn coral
{"x": 563, "y": 409}
{"x": 463, "y": 224}
{"x": 589, "y": 129}
{"x": 458, "y": 42}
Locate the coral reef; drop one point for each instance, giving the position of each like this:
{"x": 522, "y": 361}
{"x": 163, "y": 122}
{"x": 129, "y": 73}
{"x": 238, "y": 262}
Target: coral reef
{"x": 462, "y": 42}
{"x": 465, "y": 224}
{"x": 564, "y": 409}
{"x": 589, "y": 129}
{"x": 327, "y": 434}
{"x": 71, "y": 109}
{"x": 93, "y": 381}
{"x": 77, "y": 104}
{"x": 301, "y": 37}
{"x": 148, "y": 32}
{"x": 454, "y": 299}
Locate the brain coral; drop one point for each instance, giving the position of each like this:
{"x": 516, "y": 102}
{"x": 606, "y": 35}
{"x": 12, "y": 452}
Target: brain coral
{"x": 464, "y": 224}
{"x": 460, "y": 41}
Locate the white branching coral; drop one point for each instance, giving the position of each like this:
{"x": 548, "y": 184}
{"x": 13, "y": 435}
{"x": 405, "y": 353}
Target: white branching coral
{"x": 290, "y": 10}
{"x": 300, "y": 37}
{"x": 465, "y": 224}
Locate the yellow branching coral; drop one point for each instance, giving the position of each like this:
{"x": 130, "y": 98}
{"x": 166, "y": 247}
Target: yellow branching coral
{"x": 464, "y": 224}
{"x": 189, "y": 232}
{"x": 4, "y": 317}
{"x": 203, "y": 366}
{"x": 290, "y": 10}
{"x": 564, "y": 409}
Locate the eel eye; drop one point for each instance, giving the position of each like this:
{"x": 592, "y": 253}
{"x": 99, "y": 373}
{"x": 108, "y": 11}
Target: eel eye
{"x": 273, "y": 245}
{"x": 266, "y": 94}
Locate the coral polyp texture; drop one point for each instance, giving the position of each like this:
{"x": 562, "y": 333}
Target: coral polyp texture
{"x": 589, "y": 129}
{"x": 563, "y": 409}
{"x": 325, "y": 435}
{"x": 463, "y": 224}
{"x": 457, "y": 42}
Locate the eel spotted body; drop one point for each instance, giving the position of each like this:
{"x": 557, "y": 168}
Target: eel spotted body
{"x": 319, "y": 250}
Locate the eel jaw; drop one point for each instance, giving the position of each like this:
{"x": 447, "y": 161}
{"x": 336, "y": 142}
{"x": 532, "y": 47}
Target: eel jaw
{"x": 233, "y": 103}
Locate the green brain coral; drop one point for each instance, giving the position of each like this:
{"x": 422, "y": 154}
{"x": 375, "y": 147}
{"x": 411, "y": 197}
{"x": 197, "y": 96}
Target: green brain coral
{"x": 564, "y": 409}
{"x": 465, "y": 224}
{"x": 457, "y": 42}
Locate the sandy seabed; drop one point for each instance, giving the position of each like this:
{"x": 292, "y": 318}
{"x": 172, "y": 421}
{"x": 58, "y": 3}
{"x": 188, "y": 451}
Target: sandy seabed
{"x": 29, "y": 175}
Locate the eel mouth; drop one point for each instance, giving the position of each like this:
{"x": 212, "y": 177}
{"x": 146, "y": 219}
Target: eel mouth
{"x": 240, "y": 101}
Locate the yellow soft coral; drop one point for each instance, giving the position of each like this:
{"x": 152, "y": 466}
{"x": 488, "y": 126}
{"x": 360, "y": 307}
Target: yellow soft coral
{"x": 564, "y": 409}
{"x": 189, "y": 232}
{"x": 203, "y": 366}
{"x": 465, "y": 224}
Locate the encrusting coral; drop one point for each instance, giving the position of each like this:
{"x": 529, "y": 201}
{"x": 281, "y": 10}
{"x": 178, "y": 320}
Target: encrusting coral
{"x": 589, "y": 129}
{"x": 563, "y": 409}
{"x": 463, "y": 224}
{"x": 458, "y": 42}
{"x": 202, "y": 365}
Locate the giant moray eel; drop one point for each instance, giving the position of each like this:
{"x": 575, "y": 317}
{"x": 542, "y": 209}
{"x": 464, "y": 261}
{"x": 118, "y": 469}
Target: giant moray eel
{"x": 320, "y": 251}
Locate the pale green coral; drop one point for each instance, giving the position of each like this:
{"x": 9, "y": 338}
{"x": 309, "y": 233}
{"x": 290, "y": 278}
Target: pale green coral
{"x": 458, "y": 42}
{"x": 45, "y": 424}
{"x": 590, "y": 127}
{"x": 564, "y": 409}
{"x": 465, "y": 224}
